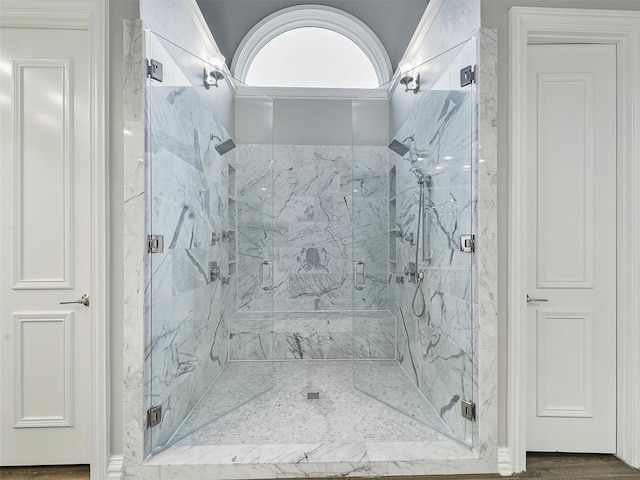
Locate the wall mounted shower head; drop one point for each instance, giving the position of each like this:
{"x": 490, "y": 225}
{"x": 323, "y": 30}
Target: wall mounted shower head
{"x": 223, "y": 147}
{"x": 399, "y": 147}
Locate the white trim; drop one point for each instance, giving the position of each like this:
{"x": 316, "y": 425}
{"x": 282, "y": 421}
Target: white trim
{"x": 115, "y": 468}
{"x": 320, "y": 16}
{"x": 201, "y": 25}
{"x": 91, "y": 15}
{"x": 429, "y": 16}
{"x": 413, "y": 48}
{"x": 207, "y": 38}
{"x": 64, "y": 17}
{"x": 556, "y": 25}
{"x": 100, "y": 245}
{"x": 504, "y": 462}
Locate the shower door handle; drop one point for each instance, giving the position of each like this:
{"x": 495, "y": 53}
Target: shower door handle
{"x": 262, "y": 282}
{"x": 356, "y": 284}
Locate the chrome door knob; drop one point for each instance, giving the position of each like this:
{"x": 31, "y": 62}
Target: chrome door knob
{"x": 84, "y": 300}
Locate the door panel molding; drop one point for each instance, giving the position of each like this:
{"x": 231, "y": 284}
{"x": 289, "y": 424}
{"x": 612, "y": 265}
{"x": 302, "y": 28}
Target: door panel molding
{"x": 43, "y": 229}
{"x": 561, "y": 328}
{"x": 555, "y": 90}
{"x": 91, "y": 15}
{"x": 558, "y": 25}
{"x": 31, "y": 329}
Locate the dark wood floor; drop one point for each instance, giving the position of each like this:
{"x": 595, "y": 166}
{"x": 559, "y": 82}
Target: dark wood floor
{"x": 67, "y": 472}
{"x": 544, "y": 466}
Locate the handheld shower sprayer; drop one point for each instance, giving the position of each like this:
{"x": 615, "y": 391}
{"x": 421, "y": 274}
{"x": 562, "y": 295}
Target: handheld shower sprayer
{"x": 419, "y": 164}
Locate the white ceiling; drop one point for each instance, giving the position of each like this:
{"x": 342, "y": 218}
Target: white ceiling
{"x": 393, "y": 21}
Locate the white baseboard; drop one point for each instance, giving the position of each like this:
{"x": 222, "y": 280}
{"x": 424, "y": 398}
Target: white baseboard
{"x": 115, "y": 467}
{"x": 504, "y": 462}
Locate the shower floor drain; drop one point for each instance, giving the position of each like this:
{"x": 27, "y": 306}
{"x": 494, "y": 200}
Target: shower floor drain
{"x": 313, "y": 395}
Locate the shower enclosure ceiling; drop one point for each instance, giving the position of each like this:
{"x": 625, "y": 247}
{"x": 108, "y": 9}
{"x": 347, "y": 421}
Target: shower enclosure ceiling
{"x": 288, "y": 271}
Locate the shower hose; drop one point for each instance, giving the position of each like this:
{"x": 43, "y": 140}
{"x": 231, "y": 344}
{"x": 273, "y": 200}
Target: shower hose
{"x": 420, "y": 312}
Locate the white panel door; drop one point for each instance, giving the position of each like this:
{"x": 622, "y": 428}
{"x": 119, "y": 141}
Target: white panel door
{"x": 572, "y": 248}
{"x": 44, "y": 246}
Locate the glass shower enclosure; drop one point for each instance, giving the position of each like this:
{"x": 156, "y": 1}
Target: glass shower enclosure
{"x": 253, "y": 244}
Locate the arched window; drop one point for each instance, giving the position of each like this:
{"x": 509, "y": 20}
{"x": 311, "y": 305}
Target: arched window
{"x": 311, "y": 46}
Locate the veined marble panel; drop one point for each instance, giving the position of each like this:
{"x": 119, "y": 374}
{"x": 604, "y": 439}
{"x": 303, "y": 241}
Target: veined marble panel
{"x": 251, "y": 336}
{"x": 374, "y": 296}
{"x": 370, "y": 167}
{"x": 374, "y": 336}
{"x": 308, "y": 221}
{"x": 440, "y": 369}
{"x": 312, "y": 335}
{"x": 320, "y": 234}
{"x": 251, "y": 295}
{"x": 312, "y": 170}
{"x": 313, "y": 345}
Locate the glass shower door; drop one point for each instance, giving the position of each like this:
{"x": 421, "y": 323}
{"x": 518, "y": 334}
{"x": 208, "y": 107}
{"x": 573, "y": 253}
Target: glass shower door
{"x": 193, "y": 274}
{"x": 427, "y": 168}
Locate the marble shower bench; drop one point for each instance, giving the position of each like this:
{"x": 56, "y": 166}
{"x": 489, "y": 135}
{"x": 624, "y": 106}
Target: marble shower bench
{"x": 312, "y": 335}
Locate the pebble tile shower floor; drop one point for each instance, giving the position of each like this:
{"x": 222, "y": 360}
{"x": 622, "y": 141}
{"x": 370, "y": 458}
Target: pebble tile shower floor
{"x": 285, "y": 414}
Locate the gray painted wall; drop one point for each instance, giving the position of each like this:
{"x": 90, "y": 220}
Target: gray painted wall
{"x": 394, "y": 24}
{"x": 495, "y": 14}
{"x": 311, "y": 121}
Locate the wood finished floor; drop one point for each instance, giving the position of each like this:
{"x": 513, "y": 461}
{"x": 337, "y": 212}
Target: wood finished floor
{"x": 544, "y": 466}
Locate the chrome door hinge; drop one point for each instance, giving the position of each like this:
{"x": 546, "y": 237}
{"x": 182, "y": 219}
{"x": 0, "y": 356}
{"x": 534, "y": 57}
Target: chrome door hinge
{"x": 467, "y": 75}
{"x": 154, "y": 70}
{"x": 154, "y": 416}
{"x": 468, "y": 243}
{"x": 469, "y": 410}
{"x": 155, "y": 243}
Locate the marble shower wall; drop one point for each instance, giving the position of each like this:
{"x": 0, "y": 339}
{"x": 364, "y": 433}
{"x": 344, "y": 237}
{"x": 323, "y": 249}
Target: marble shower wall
{"x": 370, "y": 224}
{"x": 189, "y": 200}
{"x": 296, "y": 207}
{"x": 436, "y": 349}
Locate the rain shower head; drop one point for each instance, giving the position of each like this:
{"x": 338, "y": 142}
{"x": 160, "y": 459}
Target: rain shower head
{"x": 225, "y": 146}
{"x": 399, "y": 147}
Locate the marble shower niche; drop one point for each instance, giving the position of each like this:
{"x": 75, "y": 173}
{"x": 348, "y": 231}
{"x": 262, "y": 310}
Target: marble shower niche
{"x": 234, "y": 352}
